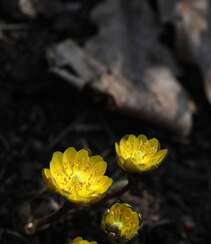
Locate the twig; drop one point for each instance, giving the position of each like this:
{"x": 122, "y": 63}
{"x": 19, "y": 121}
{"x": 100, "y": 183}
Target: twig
{"x": 7, "y": 27}
{"x": 35, "y": 225}
{"x": 16, "y": 234}
{"x": 117, "y": 193}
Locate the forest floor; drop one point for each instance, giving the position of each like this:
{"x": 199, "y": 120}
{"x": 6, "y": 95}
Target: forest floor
{"x": 41, "y": 113}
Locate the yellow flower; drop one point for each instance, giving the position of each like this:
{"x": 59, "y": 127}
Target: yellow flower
{"x": 77, "y": 176}
{"x": 139, "y": 154}
{"x": 121, "y": 222}
{"x": 79, "y": 240}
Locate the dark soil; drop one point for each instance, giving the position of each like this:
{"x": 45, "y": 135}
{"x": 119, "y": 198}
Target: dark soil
{"x": 41, "y": 114}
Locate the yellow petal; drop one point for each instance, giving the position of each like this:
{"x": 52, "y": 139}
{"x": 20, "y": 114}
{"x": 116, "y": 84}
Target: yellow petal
{"x": 77, "y": 240}
{"x": 99, "y": 164}
{"x": 101, "y": 184}
{"x": 68, "y": 158}
{"x": 160, "y": 155}
{"x": 57, "y": 171}
{"x": 82, "y": 156}
{"x": 80, "y": 199}
{"x": 47, "y": 178}
{"x": 82, "y": 161}
{"x": 142, "y": 139}
{"x": 153, "y": 145}
{"x": 130, "y": 166}
{"x": 120, "y": 161}
{"x": 117, "y": 149}
{"x": 149, "y": 163}
{"x": 129, "y": 145}
{"x": 56, "y": 167}
{"x": 84, "y": 242}
{"x": 96, "y": 158}
{"x": 123, "y": 144}
{"x": 132, "y": 141}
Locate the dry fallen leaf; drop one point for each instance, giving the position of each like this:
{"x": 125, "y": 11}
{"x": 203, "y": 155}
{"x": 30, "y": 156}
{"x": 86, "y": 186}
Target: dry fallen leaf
{"x": 126, "y": 61}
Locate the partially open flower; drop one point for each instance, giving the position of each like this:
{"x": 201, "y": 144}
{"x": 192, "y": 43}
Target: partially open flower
{"x": 139, "y": 154}
{"x": 79, "y": 240}
{"x": 121, "y": 222}
{"x": 77, "y": 176}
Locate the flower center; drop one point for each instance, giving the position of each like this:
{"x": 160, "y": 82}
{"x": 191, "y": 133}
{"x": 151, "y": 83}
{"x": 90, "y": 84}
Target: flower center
{"x": 76, "y": 178}
{"x": 118, "y": 224}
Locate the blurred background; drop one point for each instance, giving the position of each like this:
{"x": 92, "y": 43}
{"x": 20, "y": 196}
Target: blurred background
{"x": 84, "y": 73}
